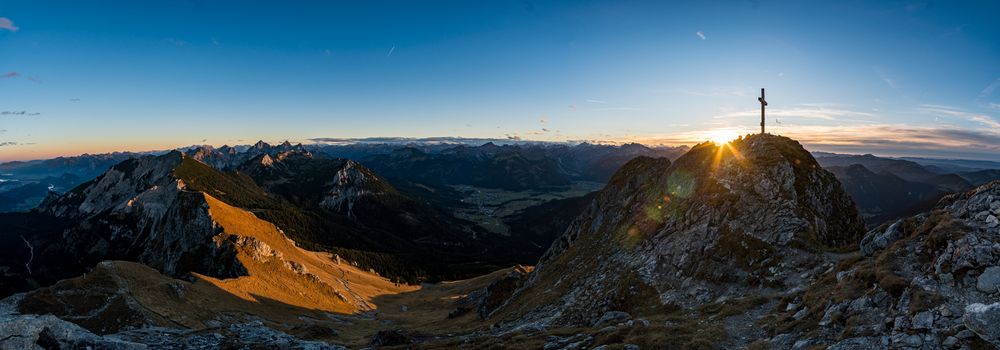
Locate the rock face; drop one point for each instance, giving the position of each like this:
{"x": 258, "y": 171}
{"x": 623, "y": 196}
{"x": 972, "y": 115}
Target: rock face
{"x": 928, "y": 281}
{"x": 721, "y": 222}
{"x": 141, "y": 210}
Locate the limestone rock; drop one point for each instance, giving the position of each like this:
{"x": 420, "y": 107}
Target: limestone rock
{"x": 984, "y": 320}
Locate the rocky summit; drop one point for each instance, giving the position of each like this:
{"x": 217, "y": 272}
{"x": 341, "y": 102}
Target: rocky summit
{"x": 721, "y": 224}
{"x": 748, "y": 244}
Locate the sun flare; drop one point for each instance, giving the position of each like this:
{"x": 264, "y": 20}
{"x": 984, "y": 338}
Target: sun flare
{"x": 723, "y": 136}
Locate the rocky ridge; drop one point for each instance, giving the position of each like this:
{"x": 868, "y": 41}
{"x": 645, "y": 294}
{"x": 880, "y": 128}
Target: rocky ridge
{"x": 720, "y": 226}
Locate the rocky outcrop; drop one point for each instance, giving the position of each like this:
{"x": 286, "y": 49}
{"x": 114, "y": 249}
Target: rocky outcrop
{"x": 352, "y": 183}
{"x": 27, "y": 331}
{"x": 928, "y": 281}
{"x": 876, "y": 241}
{"x": 722, "y": 222}
{"x": 141, "y": 210}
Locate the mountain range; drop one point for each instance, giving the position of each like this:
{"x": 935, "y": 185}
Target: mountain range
{"x": 755, "y": 243}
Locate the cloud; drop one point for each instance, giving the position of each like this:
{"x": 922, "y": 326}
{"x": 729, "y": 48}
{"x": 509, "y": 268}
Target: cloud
{"x": 391, "y": 50}
{"x": 19, "y": 113}
{"x": 820, "y": 111}
{"x": 885, "y": 78}
{"x": 9, "y": 75}
{"x": 214, "y": 41}
{"x": 8, "y": 143}
{"x": 994, "y": 105}
{"x": 34, "y": 79}
{"x": 204, "y": 140}
{"x": 885, "y": 139}
{"x": 545, "y": 130}
{"x": 6, "y": 23}
{"x": 74, "y": 100}
{"x": 700, "y": 34}
{"x": 902, "y": 140}
{"x": 714, "y": 92}
{"x": 543, "y": 121}
{"x": 572, "y": 108}
{"x": 988, "y": 90}
{"x": 597, "y": 101}
{"x": 958, "y": 113}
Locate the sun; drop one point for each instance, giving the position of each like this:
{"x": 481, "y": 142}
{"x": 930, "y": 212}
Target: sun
{"x": 723, "y": 136}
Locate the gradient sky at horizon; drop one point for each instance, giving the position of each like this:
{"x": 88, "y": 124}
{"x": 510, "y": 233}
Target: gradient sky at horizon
{"x": 897, "y": 78}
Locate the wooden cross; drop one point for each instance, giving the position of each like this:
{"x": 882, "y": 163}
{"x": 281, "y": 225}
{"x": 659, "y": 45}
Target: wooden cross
{"x": 763, "y": 103}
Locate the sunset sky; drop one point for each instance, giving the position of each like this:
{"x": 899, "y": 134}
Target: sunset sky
{"x": 889, "y": 78}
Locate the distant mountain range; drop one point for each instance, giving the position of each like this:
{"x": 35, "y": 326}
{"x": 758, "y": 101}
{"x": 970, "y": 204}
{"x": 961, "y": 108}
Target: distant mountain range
{"x": 890, "y": 188}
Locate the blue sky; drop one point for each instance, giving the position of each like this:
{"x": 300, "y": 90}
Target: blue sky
{"x": 891, "y": 78}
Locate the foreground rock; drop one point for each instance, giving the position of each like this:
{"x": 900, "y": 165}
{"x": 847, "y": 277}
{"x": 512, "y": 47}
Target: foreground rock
{"x": 928, "y": 281}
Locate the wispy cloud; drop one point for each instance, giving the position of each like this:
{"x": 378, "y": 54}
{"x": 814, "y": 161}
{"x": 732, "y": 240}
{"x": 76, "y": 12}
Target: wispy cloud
{"x": 597, "y": 101}
{"x": 885, "y": 139}
{"x": 712, "y": 92}
{"x": 700, "y": 34}
{"x": 8, "y": 143}
{"x": 19, "y": 113}
{"x": 7, "y": 24}
{"x": 391, "y": 50}
{"x": 939, "y": 110}
{"x": 885, "y": 78}
{"x": 831, "y": 112}
{"x": 9, "y": 75}
{"x": 988, "y": 90}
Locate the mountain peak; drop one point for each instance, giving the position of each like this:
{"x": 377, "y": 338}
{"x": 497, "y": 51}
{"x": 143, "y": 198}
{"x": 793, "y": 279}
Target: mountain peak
{"x": 717, "y": 222}
{"x": 266, "y": 160}
{"x": 261, "y": 145}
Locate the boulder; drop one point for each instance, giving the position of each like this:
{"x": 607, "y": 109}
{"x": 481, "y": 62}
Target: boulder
{"x": 984, "y": 320}
{"x": 875, "y": 241}
{"x": 989, "y": 280}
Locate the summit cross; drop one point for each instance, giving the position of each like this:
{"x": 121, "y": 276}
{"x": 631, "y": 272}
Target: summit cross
{"x": 763, "y": 103}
